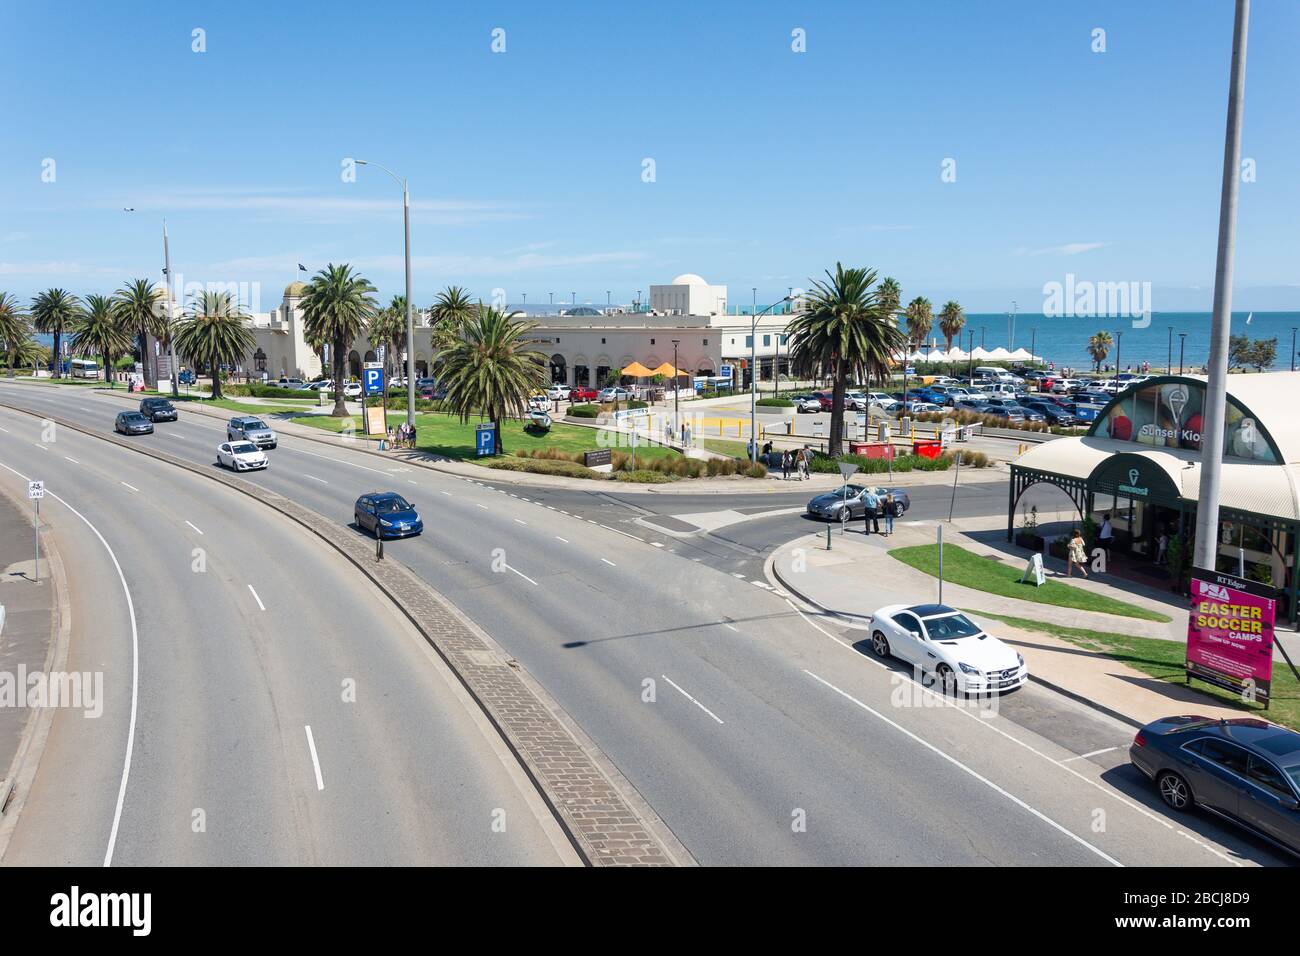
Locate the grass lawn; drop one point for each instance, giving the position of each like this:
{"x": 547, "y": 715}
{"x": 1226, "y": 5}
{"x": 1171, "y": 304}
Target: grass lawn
{"x": 441, "y": 434}
{"x": 1163, "y": 660}
{"x": 736, "y": 449}
{"x": 999, "y": 577}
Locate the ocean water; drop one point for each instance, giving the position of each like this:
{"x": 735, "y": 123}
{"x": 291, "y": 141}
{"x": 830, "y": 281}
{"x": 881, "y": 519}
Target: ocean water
{"x": 1065, "y": 340}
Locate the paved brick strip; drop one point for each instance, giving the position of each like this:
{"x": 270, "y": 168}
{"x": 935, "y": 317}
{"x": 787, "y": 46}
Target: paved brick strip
{"x": 603, "y": 827}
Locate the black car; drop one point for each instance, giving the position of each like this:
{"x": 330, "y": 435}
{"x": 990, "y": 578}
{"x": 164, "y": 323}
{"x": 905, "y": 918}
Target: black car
{"x": 132, "y": 423}
{"x": 158, "y": 410}
{"x": 1055, "y": 414}
{"x": 1244, "y": 770}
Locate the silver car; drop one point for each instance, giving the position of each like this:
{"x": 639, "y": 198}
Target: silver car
{"x": 251, "y": 428}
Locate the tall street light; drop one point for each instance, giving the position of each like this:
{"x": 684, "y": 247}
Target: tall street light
{"x": 677, "y": 386}
{"x": 753, "y": 379}
{"x": 171, "y": 340}
{"x": 1216, "y": 391}
{"x": 1182, "y": 344}
{"x": 410, "y": 313}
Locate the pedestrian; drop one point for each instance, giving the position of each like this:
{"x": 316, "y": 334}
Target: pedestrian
{"x": 1076, "y": 555}
{"x": 889, "y": 513}
{"x": 805, "y": 459}
{"x": 1162, "y": 546}
{"x": 785, "y": 465}
{"x": 1106, "y": 535}
{"x": 870, "y": 512}
{"x": 411, "y": 435}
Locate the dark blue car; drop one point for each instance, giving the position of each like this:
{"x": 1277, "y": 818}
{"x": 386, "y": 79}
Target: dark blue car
{"x": 1244, "y": 770}
{"x": 387, "y": 514}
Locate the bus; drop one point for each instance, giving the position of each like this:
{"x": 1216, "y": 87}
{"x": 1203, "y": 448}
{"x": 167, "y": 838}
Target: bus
{"x": 83, "y": 368}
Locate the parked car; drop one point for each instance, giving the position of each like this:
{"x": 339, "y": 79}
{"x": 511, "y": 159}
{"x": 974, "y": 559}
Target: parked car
{"x": 387, "y": 515}
{"x": 918, "y": 406}
{"x": 1051, "y": 412}
{"x": 831, "y": 505}
{"x": 241, "y": 456}
{"x": 1244, "y": 770}
{"x": 1063, "y": 386}
{"x": 857, "y": 401}
{"x": 1009, "y": 413}
{"x": 974, "y": 406}
{"x": 132, "y": 423}
{"x": 827, "y": 400}
{"x": 883, "y": 401}
{"x": 253, "y": 429}
{"x": 940, "y": 639}
{"x": 806, "y": 403}
{"x": 351, "y": 389}
{"x": 615, "y": 394}
{"x": 949, "y": 395}
{"x": 583, "y": 393}
{"x": 158, "y": 410}
{"x": 557, "y": 393}
{"x": 1092, "y": 397}
{"x": 539, "y": 402}
{"x": 290, "y": 383}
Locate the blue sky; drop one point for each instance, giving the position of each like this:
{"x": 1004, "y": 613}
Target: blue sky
{"x": 770, "y": 165}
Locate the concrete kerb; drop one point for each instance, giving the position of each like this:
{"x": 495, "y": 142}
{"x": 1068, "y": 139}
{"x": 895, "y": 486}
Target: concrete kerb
{"x": 605, "y": 825}
{"x": 776, "y": 578}
{"x": 31, "y": 745}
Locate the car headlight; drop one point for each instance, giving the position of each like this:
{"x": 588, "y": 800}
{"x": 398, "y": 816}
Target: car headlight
{"x": 967, "y": 669}
{"x": 385, "y": 523}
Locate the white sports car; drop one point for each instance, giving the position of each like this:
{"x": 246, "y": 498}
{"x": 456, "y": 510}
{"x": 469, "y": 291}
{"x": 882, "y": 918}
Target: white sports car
{"x": 240, "y": 456}
{"x": 942, "y": 640}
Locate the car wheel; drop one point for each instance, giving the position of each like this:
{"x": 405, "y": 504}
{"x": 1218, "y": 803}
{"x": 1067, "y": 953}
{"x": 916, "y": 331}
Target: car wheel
{"x": 898, "y": 509}
{"x": 946, "y": 679}
{"x": 1174, "y": 791}
{"x": 879, "y": 644}
{"x": 845, "y": 516}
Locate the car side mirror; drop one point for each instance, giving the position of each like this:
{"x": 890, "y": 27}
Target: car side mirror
{"x": 1289, "y": 803}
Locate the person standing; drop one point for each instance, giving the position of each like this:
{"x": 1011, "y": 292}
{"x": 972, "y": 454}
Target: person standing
{"x": 1076, "y": 555}
{"x": 889, "y": 513}
{"x": 870, "y": 512}
{"x": 1105, "y": 536}
{"x": 785, "y": 465}
{"x": 1162, "y": 547}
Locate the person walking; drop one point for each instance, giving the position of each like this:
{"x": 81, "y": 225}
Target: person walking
{"x": 889, "y": 513}
{"x": 1162, "y": 547}
{"x": 1076, "y": 555}
{"x": 785, "y": 465}
{"x": 1106, "y": 536}
{"x": 870, "y": 512}
{"x": 804, "y": 456}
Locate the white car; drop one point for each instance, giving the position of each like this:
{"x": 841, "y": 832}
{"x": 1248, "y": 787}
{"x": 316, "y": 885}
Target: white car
{"x": 858, "y": 401}
{"x": 557, "y": 393}
{"x": 941, "y": 640}
{"x": 883, "y": 400}
{"x": 241, "y": 456}
{"x": 1062, "y": 386}
{"x": 352, "y": 390}
{"x": 539, "y": 403}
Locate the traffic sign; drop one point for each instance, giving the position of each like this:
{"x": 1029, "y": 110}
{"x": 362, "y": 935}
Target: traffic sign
{"x": 35, "y": 490}
{"x": 373, "y": 379}
{"x": 485, "y": 439}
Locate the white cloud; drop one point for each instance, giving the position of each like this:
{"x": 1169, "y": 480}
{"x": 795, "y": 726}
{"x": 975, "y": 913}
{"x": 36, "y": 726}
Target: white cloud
{"x": 14, "y": 237}
{"x": 1068, "y": 249}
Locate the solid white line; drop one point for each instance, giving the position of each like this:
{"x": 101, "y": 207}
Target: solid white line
{"x": 5, "y": 430}
{"x": 40, "y": 446}
{"x": 194, "y": 526}
{"x": 656, "y": 544}
{"x": 135, "y": 669}
{"x": 692, "y": 699}
{"x": 314, "y": 478}
{"x": 315, "y": 760}
{"x": 558, "y": 538}
{"x": 524, "y": 576}
{"x": 1093, "y": 753}
{"x": 961, "y": 766}
{"x": 732, "y": 626}
{"x": 257, "y": 599}
{"x": 73, "y": 460}
{"x": 609, "y": 562}
{"x": 132, "y": 487}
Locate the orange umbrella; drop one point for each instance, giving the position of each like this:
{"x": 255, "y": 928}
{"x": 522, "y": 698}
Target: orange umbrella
{"x": 637, "y": 370}
{"x": 666, "y": 370}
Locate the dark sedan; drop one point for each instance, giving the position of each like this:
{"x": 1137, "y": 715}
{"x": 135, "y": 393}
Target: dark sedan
{"x": 387, "y": 514}
{"x": 1055, "y": 414}
{"x": 132, "y": 423}
{"x": 158, "y": 410}
{"x": 1243, "y": 770}
{"x": 831, "y": 505}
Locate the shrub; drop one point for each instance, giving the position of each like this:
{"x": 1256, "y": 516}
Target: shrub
{"x": 756, "y": 470}
{"x": 583, "y": 411}
{"x": 776, "y": 402}
{"x": 645, "y": 476}
{"x": 637, "y": 403}
{"x": 542, "y": 466}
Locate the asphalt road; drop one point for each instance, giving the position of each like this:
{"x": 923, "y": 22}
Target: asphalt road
{"x": 760, "y": 734}
{"x": 245, "y": 632}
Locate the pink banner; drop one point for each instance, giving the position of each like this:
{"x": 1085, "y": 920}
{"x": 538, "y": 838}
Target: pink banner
{"x": 1230, "y": 632}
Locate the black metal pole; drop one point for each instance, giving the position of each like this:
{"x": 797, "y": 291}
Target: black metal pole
{"x": 1182, "y": 342}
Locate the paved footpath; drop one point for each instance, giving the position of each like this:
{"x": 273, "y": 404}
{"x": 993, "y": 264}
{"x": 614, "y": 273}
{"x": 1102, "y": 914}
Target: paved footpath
{"x": 857, "y": 576}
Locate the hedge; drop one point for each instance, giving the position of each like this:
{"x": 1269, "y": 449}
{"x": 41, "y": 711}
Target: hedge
{"x": 776, "y": 402}
{"x": 583, "y": 411}
{"x": 641, "y": 475}
{"x": 544, "y": 466}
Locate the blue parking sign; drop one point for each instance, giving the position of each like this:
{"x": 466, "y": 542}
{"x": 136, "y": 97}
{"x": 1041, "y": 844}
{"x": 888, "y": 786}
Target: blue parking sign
{"x": 485, "y": 439}
{"x": 373, "y": 381}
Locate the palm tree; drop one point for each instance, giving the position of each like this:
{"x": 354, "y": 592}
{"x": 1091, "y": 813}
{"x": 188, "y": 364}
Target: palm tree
{"x": 336, "y": 308}
{"x": 451, "y": 311}
{"x": 920, "y": 318}
{"x": 55, "y": 312}
{"x": 138, "y": 308}
{"x": 491, "y": 369}
{"x": 214, "y": 332}
{"x": 1099, "y": 347}
{"x": 847, "y": 329}
{"x": 29, "y": 352}
{"x": 890, "y": 294}
{"x": 99, "y": 331}
{"x": 15, "y": 330}
{"x": 951, "y": 321}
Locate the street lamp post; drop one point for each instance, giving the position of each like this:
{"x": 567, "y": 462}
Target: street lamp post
{"x": 1182, "y": 343}
{"x": 1207, "y": 510}
{"x": 1119, "y": 344}
{"x": 1170, "y": 366}
{"x": 410, "y": 309}
{"x": 677, "y": 387}
{"x": 1293, "y": 348}
{"x": 753, "y": 379}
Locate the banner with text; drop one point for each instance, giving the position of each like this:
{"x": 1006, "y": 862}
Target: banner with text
{"x": 1230, "y": 632}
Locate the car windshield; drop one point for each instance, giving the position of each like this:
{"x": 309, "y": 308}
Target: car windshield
{"x": 950, "y": 627}
{"x": 135, "y": 417}
{"x": 253, "y": 423}
{"x": 244, "y": 448}
{"x": 388, "y": 505}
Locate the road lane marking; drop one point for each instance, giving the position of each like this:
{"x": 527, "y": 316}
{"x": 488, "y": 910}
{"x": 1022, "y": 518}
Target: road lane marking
{"x": 257, "y": 599}
{"x": 691, "y": 699}
{"x": 40, "y": 446}
{"x": 315, "y": 760}
{"x": 1091, "y": 753}
{"x": 732, "y": 626}
{"x": 522, "y": 575}
{"x": 609, "y": 562}
{"x": 132, "y": 487}
{"x": 961, "y": 766}
{"x": 656, "y": 544}
{"x": 135, "y": 669}
{"x": 73, "y": 460}
{"x": 448, "y": 494}
{"x": 558, "y": 538}
{"x": 520, "y": 521}
{"x": 314, "y": 478}
{"x": 5, "y": 430}
{"x": 484, "y": 507}
{"x": 194, "y": 526}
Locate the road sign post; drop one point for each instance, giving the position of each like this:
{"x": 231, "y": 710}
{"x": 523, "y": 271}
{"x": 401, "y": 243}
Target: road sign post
{"x": 847, "y": 468}
{"x": 36, "y": 491}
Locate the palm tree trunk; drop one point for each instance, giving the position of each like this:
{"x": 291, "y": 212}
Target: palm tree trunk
{"x": 144, "y": 356}
{"x": 836, "y": 445}
{"x": 496, "y": 434}
{"x": 340, "y": 409}
{"x": 216, "y": 379}
{"x": 55, "y": 367}
{"x": 108, "y": 374}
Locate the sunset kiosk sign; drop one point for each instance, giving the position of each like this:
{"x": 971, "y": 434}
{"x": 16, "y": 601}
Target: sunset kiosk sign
{"x": 1230, "y": 633}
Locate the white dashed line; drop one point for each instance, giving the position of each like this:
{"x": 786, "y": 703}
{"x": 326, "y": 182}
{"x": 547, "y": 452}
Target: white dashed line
{"x": 520, "y": 521}
{"x": 195, "y": 527}
{"x": 315, "y": 760}
{"x": 485, "y": 507}
{"x": 132, "y": 487}
{"x": 40, "y": 446}
{"x": 448, "y": 494}
{"x": 524, "y": 576}
{"x": 691, "y": 699}
{"x": 73, "y": 460}
{"x": 558, "y": 538}
{"x": 256, "y": 598}
{"x": 609, "y": 562}
{"x": 656, "y": 544}
{"x": 314, "y": 478}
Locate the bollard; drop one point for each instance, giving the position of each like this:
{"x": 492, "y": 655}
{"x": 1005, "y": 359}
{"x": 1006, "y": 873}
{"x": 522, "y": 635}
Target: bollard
{"x": 828, "y": 536}
{"x": 379, "y": 547}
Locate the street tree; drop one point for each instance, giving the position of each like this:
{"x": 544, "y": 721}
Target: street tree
{"x": 951, "y": 321}
{"x": 136, "y": 305}
{"x": 99, "y": 331}
{"x": 15, "y": 329}
{"x": 337, "y": 307}
{"x": 54, "y": 312}
{"x": 1099, "y": 347}
{"x": 214, "y": 332}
